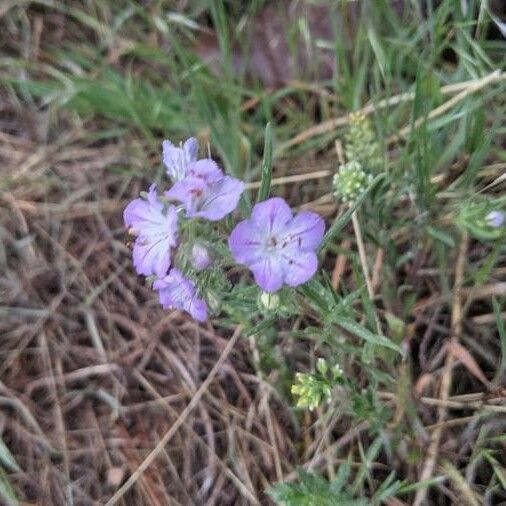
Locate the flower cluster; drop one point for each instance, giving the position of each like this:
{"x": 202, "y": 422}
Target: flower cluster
{"x": 364, "y": 158}
{"x": 199, "y": 190}
{"x": 351, "y": 181}
{"x": 361, "y": 144}
{"x": 315, "y": 388}
{"x": 278, "y": 247}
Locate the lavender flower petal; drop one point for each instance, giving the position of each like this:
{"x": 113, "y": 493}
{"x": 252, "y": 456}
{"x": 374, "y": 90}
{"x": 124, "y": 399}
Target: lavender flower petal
{"x": 307, "y": 229}
{"x": 200, "y": 257}
{"x": 268, "y": 273}
{"x": 177, "y": 292}
{"x": 155, "y": 231}
{"x": 177, "y": 160}
{"x": 495, "y": 219}
{"x": 221, "y": 198}
{"x": 246, "y": 243}
{"x": 271, "y": 215}
{"x": 206, "y": 169}
{"x": 299, "y": 267}
{"x": 210, "y": 200}
{"x": 187, "y": 192}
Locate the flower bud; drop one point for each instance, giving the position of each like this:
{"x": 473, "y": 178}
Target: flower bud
{"x": 268, "y": 301}
{"x": 351, "y": 181}
{"x": 311, "y": 390}
{"x": 495, "y": 219}
{"x": 200, "y": 257}
{"x": 213, "y": 301}
{"x": 338, "y": 372}
{"x": 322, "y": 366}
{"x": 477, "y": 218}
{"x": 361, "y": 144}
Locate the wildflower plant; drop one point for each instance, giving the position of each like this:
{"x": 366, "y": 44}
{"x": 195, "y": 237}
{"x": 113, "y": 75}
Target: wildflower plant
{"x": 254, "y": 269}
{"x": 167, "y": 248}
{"x": 483, "y": 218}
{"x": 313, "y": 389}
{"x": 424, "y": 281}
{"x": 178, "y": 248}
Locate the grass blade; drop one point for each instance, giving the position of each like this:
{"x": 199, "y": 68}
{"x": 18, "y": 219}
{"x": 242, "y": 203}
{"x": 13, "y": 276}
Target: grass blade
{"x": 342, "y": 221}
{"x": 265, "y": 186}
{"x": 7, "y": 459}
{"x": 365, "y": 334}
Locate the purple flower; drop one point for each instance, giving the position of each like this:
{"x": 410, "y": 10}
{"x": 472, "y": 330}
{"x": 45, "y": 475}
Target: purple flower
{"x": 177, "y": 292}
{"x": 495, "y": 219}
{"x": 277, "y": 246}
{"x": 200, "y": 257}
{"x": 155, "y": 229}
{"x": 206, "y": 169}
{"x": 206, "y": 193}
{"x": 177, "y": 160}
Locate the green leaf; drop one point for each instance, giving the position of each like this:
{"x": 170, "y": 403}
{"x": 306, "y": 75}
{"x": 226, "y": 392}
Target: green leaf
{"x": 263, "y": 325}
{"x": 6, "y": 491}
{"x": 342, "y": 221}
{"x": 313, "y": 490}
{"x": 389, "y": 488}
{"x": 412, "y": 487}
{"x": 501, "y": 329}
{"x": 265, "y": 186}
{"x": 7, "y": 459}
{"x": 396, "y": 326}
{"x": 441, "y": 236}
{"x": 379, "y": 53}
{"x": 365, "y": 334}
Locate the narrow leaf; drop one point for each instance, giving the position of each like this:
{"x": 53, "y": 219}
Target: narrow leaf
{"x": 6, "y": 457}
{"x": 366, "y": 335}
{"x": 7, "y": 493}
{"x": 342, "y": 221}
{"x": 501, "y": 329}
{"x": 265, "y": 186}
{"x": 460, "y": 484}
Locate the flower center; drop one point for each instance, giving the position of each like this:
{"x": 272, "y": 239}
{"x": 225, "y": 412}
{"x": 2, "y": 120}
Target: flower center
{"x": 274, "y": 243}
{"x": 271, "y": 244}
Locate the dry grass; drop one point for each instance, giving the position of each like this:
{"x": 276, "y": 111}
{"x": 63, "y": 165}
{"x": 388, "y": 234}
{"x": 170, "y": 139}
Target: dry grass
{"x": 94, "y": 373}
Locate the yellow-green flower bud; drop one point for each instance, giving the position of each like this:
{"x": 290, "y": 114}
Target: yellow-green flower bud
{"x": 360, "y": 143}
{"x": 268, "y": 301}
{"x": 351, "y": 181}
{"x": 312, "y": 389}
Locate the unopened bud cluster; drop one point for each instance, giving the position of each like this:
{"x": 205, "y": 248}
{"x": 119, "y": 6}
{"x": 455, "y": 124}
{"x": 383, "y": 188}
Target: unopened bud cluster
{"x": 351, "y": 181}
{"x": 313, "y": 389}
{"x": 364, "y": 159}
{"x": 360, "y": 143}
